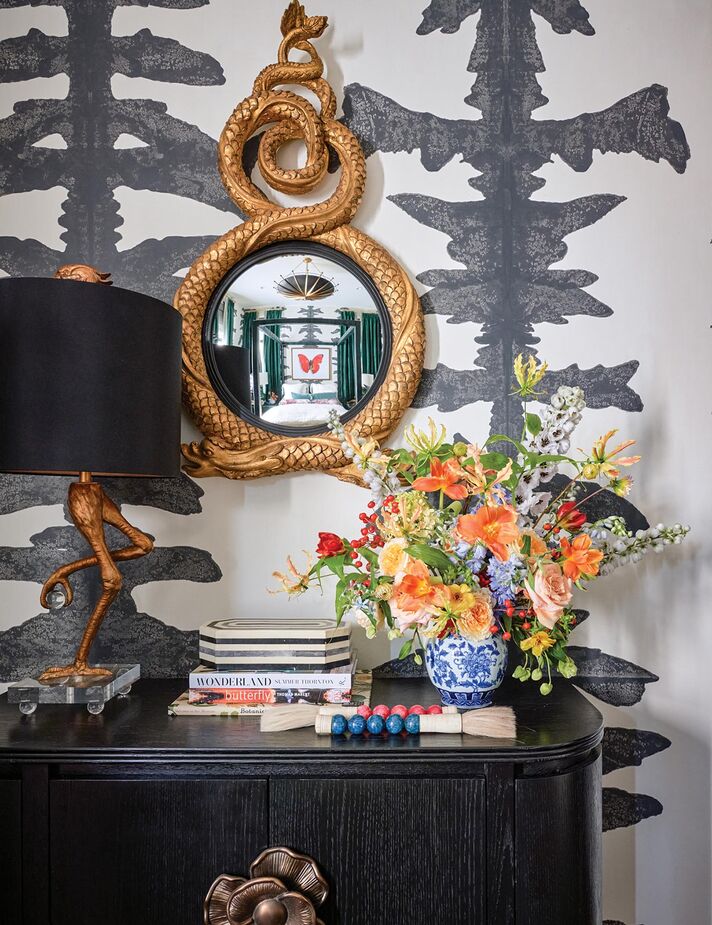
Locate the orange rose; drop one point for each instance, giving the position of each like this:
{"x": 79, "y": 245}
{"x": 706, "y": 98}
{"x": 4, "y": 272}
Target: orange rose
{"x": 579, "y": 558}
{"x": 475, "y": 623}
{"x": 393, "y": 558}
{"x": 496, "y": 527}
{"x": 551, "y": 593}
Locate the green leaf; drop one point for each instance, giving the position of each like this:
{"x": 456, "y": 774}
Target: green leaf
{"x": 539, "y": 459}
{"x": 368, "y": 554}
{"x": 336, "y": 564}
{"x": 455, "y": 507}
{"x": 405, "y": 649}
{"x": 503, "y": 438}
{"x": 388, "y": 616}
{"x": 342, "y": 602}
{"x": 494, "y": 460}
{"x": 533, "y": 424}
{"x": 435, "y": 558}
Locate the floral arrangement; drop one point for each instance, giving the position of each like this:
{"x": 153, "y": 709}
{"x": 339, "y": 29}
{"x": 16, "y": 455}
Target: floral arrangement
{"x": 462, "y": 539}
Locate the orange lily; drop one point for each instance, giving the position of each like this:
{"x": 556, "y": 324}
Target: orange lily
{"x": 602, "y": 461}
{"x": 444, "y": 477}
{"x": 579, "y": 559}
{"x": 496, "y": 527}
{"x": 414, "y": 589}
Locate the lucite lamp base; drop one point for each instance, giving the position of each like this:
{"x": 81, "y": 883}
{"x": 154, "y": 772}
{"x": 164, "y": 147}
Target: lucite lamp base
{"x": 94, "y": 692}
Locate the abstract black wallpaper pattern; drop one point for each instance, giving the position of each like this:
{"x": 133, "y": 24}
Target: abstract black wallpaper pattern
{"x": 176, "y": 157}
{"x": 507, "y": 240}
{"x": 508, "y": 243}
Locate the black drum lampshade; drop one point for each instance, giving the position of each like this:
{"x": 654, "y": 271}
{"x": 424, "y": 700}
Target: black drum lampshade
{"x": 89, "y": 380}
{"x": 89, "y": 385}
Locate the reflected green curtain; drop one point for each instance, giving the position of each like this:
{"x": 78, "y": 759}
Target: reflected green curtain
{"x": 229, "y": 322}
{"x": 345, "y": 361}
{"x": 273, "y": 355}
{"x": 371, "y": 343}
{"x": 247, "y": 329}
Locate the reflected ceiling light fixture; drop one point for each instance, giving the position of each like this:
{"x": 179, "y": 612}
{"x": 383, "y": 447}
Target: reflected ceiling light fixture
{"x": 307, "y": 284}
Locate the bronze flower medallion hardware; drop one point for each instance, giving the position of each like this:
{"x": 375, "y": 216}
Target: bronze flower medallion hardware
{"x": 285, "y": 888}
{"x": 233, "y": 445}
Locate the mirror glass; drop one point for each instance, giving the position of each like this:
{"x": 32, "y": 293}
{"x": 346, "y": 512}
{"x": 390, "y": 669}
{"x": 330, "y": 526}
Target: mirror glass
{"x": 294, "y": 332}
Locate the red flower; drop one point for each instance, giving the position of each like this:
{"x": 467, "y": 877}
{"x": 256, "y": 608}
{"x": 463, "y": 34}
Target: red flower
{"x": 330, "y": 545}
{"x": 569, "y": 517}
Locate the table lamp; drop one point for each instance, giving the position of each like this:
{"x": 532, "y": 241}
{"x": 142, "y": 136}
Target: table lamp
{"x": 89, "y": 386}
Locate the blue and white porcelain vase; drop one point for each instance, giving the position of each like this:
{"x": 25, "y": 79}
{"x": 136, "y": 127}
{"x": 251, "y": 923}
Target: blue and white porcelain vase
{"x": 466, "y": 673}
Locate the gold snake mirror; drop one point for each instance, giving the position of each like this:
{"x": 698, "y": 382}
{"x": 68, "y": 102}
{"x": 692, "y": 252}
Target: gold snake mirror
{"x": 294, "y": 314}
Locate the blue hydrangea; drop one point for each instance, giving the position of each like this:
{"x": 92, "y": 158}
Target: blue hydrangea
{"x": 505, "y": 578}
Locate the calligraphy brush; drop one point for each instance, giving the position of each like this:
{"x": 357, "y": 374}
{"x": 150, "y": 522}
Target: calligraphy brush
{"x": 300, "y": 715}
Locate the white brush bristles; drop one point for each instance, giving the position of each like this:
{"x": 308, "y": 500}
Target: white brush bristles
{"x": 297, "y": 716}
{"x": 494, "y": 722}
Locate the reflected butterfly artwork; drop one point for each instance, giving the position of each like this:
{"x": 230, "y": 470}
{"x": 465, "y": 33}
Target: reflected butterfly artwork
{"x": 311, "y": 363}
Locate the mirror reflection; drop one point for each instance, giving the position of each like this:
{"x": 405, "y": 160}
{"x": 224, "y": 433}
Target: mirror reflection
{"x": 297, "y": 335}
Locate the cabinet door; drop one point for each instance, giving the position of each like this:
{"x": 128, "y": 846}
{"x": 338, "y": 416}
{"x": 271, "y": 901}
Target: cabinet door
{"x": 148, "y": 850}
{"x": 558, "y": 847}
{"x": 10, "y": 852}
{"x": 394, "y": 851}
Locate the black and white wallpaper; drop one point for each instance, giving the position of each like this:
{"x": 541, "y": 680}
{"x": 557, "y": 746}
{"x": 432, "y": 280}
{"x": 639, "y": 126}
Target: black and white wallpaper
{"x": 478, "y": 182}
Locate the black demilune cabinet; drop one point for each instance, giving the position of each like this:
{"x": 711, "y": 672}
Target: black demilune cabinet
{"x": 128, "y": 817}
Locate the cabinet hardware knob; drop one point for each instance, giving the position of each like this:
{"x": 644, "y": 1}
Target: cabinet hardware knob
{"x": 284, "y": 888}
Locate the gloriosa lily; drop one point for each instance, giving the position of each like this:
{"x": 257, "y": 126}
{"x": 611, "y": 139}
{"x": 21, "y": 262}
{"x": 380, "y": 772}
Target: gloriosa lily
{"x": 423, "y": 442}
{"x": 606, "y": 462}
{"x": 528, "y": 374}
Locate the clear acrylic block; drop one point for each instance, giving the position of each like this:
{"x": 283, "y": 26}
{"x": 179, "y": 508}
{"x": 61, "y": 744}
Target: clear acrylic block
{"x": 94, "y": 692}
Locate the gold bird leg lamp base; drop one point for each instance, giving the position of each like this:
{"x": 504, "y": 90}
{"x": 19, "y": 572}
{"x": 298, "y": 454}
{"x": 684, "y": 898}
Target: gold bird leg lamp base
{"x": 90, "y": 508}
{"x": 89, "y": 385}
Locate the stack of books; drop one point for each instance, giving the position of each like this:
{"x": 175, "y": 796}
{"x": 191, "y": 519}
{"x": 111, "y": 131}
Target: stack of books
{"x": 247, "y": 666}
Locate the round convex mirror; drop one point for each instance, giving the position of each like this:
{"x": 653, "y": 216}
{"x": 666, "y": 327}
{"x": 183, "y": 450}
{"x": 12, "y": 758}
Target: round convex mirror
{"x": 294, "y": 332}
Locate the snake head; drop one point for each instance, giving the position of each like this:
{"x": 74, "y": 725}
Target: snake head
{"x": 294, "y": 18}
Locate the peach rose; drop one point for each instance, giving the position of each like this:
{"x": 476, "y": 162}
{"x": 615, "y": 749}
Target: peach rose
{"x": 551, "y": 593}
{"x": 475, "y": 623}
{"x": 407, "y": 619}
{"x": 393, "y": 558}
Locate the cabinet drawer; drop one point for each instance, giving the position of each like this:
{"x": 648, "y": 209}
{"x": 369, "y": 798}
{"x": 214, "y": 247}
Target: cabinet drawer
{"x": 394, "y": 851}
{"x": 147, "y": 850}
{"x": 10, "y": 851}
